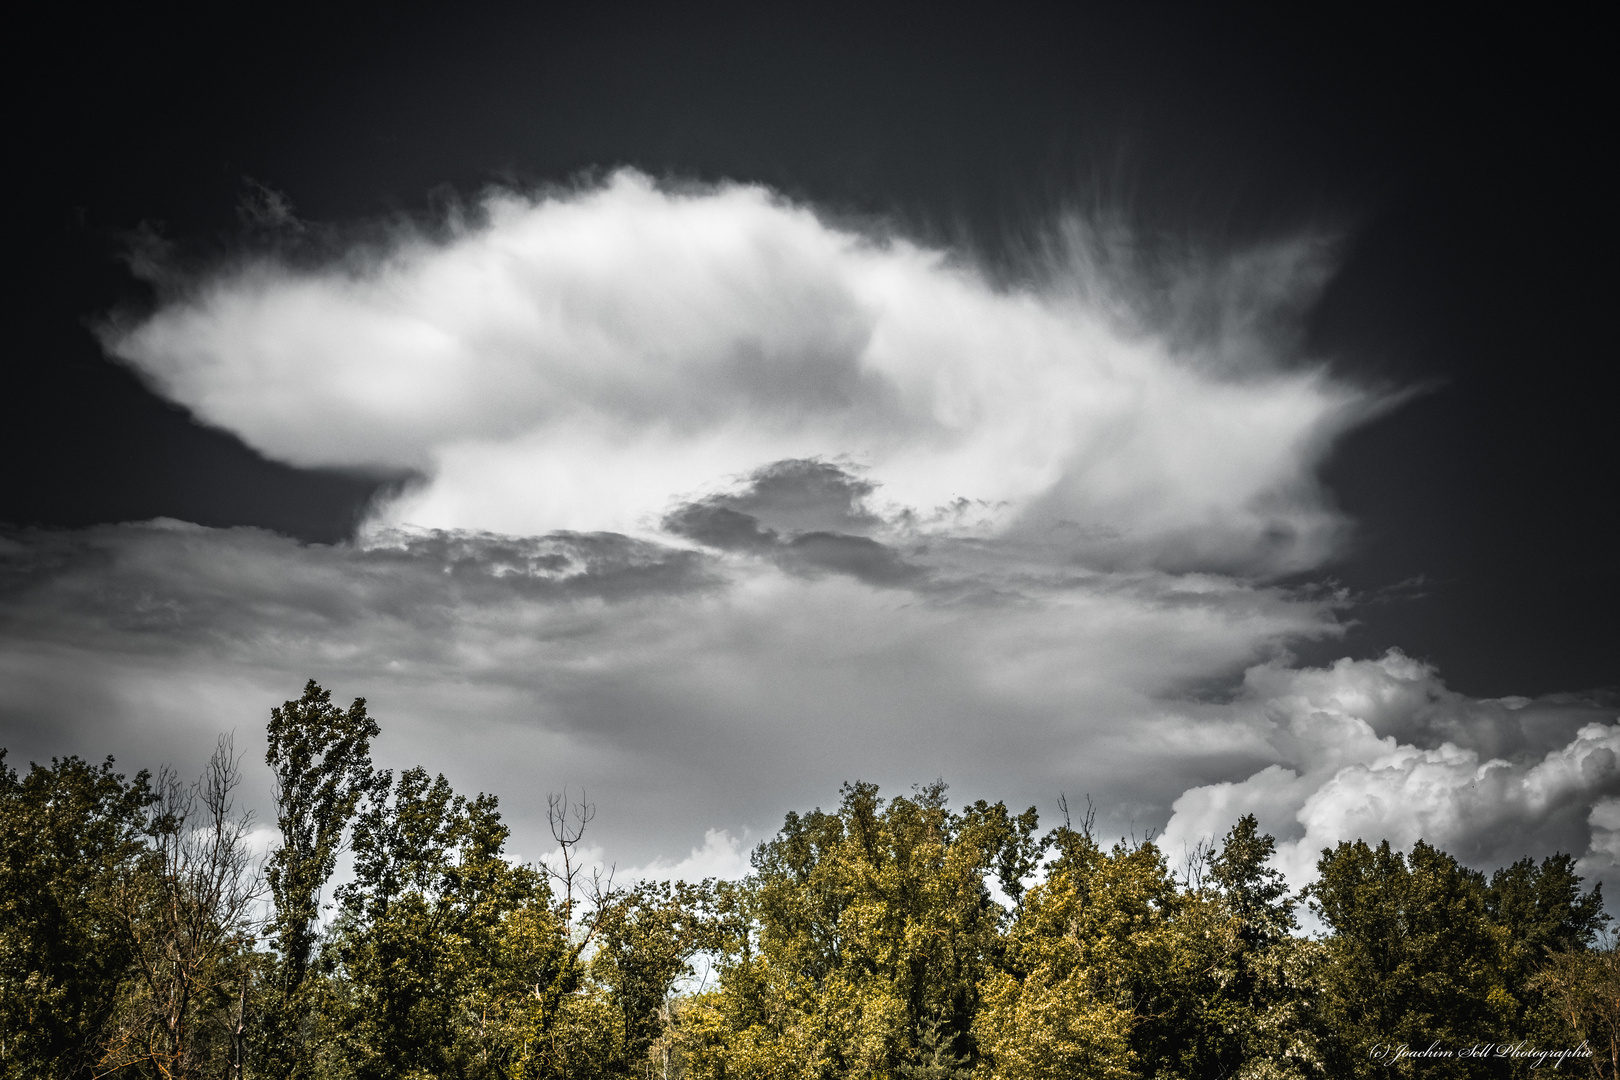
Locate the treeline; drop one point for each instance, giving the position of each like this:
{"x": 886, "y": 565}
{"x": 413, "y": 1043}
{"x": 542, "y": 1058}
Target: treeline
{"x": 140, "y": 938}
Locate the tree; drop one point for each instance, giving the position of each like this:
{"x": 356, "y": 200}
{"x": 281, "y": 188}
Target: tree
{"x": 1414, "y": 959}
{"x": 320, "y": 758}
{"x": 649, "y": 934}
{"x": 1542, "y": 913}
{"x": 1241, "y": 999}
{"x": 1083, "y": 967}
{"x": 1583, "y": 987}
{"x": 1543, "y": 909}
{"x": 67, "y": 833}
{"x": 442, "y": 948}
{"x": 521, "y": 1013}
{"x": 1255, "y": 892}
{"x": 186, "y": 907}
{"x": 1058, "y": 1008}
{"x": 860, "y": 945}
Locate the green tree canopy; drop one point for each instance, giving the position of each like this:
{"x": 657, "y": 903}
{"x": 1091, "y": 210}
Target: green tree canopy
{"x": 67, "y": 834}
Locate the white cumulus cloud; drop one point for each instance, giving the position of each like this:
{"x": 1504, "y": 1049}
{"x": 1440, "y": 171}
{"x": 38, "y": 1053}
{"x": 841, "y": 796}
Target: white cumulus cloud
{"x": 1381, "y": 749}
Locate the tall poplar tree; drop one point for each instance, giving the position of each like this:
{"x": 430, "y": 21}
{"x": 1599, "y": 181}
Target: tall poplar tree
{"x": 320, "y": 756}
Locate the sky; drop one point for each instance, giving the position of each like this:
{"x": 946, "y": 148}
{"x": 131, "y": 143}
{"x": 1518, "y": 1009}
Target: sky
{"x": 1203, "y": 412}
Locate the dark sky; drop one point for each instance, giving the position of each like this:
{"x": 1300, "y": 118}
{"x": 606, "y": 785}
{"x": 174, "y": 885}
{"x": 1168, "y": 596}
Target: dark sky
{"x": 1461, "y": 160}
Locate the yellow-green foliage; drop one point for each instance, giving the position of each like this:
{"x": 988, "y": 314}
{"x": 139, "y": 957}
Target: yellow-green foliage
{"x": 862, "y": 930}
{"x": 1089, "y": 945}
{"x": 886, "y": 939}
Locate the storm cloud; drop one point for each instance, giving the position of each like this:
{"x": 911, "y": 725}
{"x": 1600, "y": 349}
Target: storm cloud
{"x": 721, "y": 501}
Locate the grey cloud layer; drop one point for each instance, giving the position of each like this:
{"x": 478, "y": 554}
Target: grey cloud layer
{"x": 694, "y": 690}
{"x": 687, "y": 689}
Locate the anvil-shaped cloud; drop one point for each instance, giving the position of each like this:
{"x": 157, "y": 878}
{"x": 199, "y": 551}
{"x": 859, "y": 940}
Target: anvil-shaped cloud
{"x": 586, "y": 359}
